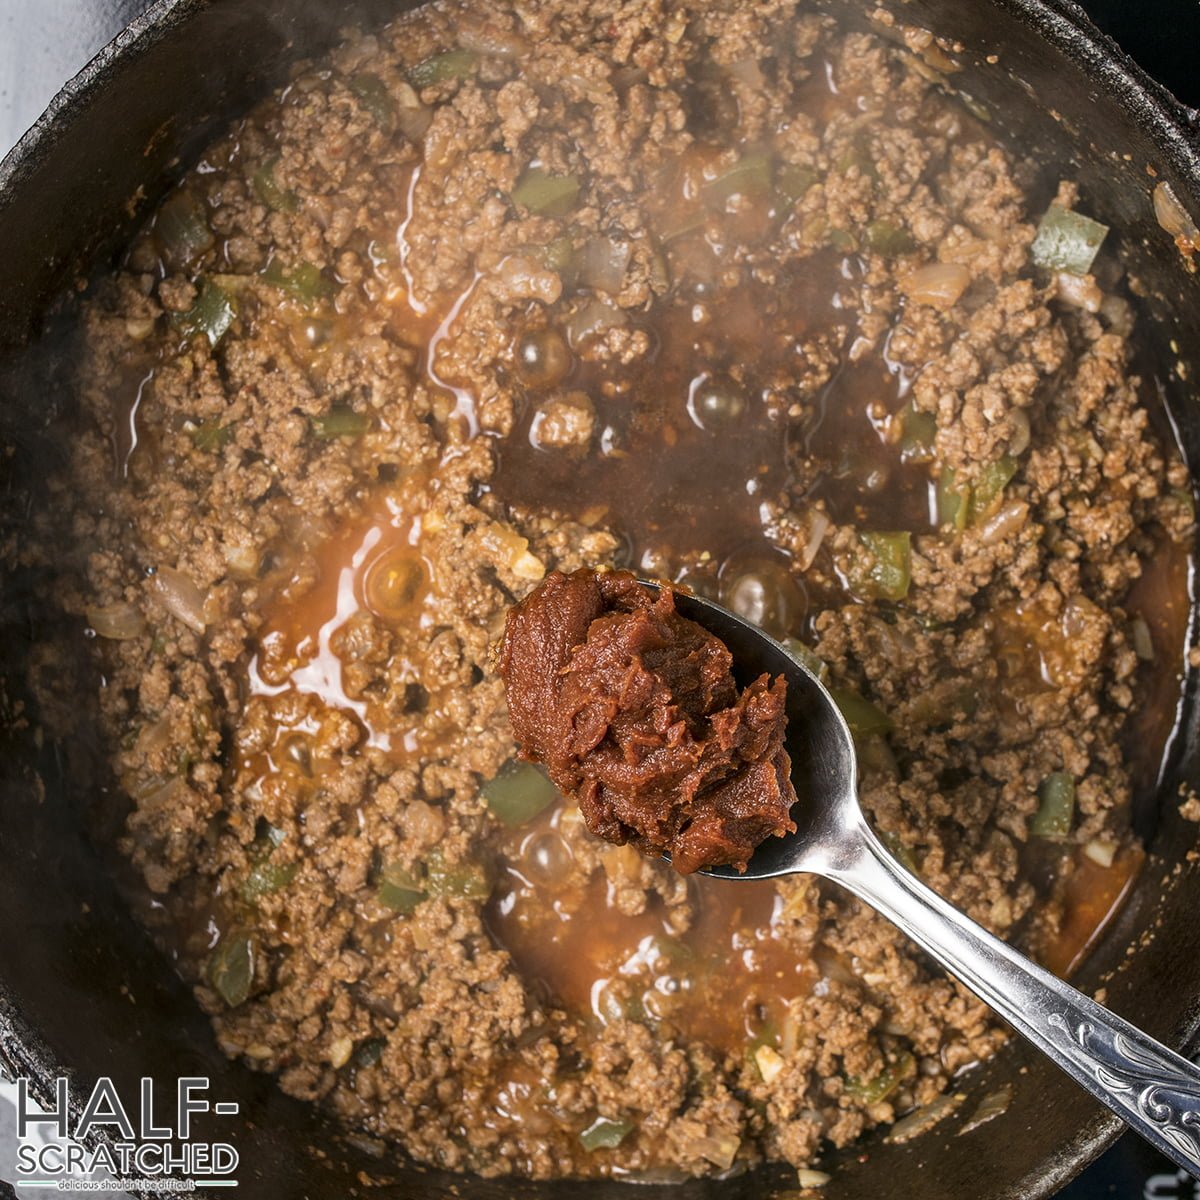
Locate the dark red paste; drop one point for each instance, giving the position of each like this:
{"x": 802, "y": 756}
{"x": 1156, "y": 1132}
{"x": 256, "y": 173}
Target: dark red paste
{"x": 635, "y": 713}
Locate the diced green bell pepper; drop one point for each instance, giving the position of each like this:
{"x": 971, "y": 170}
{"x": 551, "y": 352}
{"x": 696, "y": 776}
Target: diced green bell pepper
{"x": 212, "y": 313}
{"x": 230, "y": 968}
{"x": 267, "y": 189}
{"x": 1067, "y": 241}
{"x": 399, "y": 889}
{"x": 341, "y": 422}
{"x": 889, "y": 240}
{"x": 872, "y": 1091}
{"x": 605, "y": 1134}
{"x": 918, "y": 433}
{"x": 519, "y": 791}
{"x": 182, "y": 229}
{"x": 441, "y": 68}
{"x": 211, "y": 436}
{"x": 793, "y": 182}
{"x": 953, "y": 500}
{"x": 371, "y": 92}
{"x": 749, "y": 176}
{"x": 986, "y": 494}
{"x": 1056, "y": 807}
{"x": 550, "y": 195}
{"x": 863, "y": 717}
{"x": 303, "y": 282}
{"x": 464, "y": 880}
{"x": 891, "y": 572}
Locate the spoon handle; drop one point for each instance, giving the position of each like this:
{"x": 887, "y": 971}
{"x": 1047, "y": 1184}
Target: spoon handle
{"x": 1152, "y": 1088}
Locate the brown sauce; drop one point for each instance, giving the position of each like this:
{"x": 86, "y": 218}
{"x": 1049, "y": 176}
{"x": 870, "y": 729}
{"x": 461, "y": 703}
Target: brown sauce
{"x": 1091, "y": 895}
{"x": 724, "y": 982}
{"x": 1163, "y": 597}
{"x": 1034, "y": 648}
{"x": 374, "y": 567}
{"x": 862, "y": 478}
{"x": 648, "y": 407}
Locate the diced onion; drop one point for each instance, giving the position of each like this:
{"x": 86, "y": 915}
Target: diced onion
{"x": 603, "y": 263}
{"x": 120, "y": 621}
{"x": 1079, "y": 615}
{"x": 623, "y": 78}
{"x": 525, "y": 278}
{"x": 595, "y": 317}
{"x": 939, "y": 284}
{"x": 412, "y": 117}
{"x": 139, "y": 328}
{"x": 1175, "y": 219}
{"x": 154, "y": 738}
{"x": 938, "y": 59}
{"x": 622, "y": 865}
{"x": 510, "y": 550}
{"x": 1143, "y": 643}
{"x": 481, "y": 37}
{"x": 1118, "y": 312}
{"x": 368, "y": 1145}
{"x": 1004, "y": 523}
{"x": 242, "y": 561}
{"x": 1101, "y": 852}
{"x": 991, "y": 1106}
{"x": 1080, "y": 291}
{"x": 156, "y": 791}
{"x": 672, "y": 1175}
{"x": 1018, "y": 440}
{"x": 720, "y": 1149}
{"x": 180, "y": 597}
{"x": 340, "y": 1051}
{"x": 818, "y": 526}
{"x": 923, "y": 1119}
{"x": 789, "y": 1037}
{"x": 769, "y": 1063}
{"x": 808, "y": 1178}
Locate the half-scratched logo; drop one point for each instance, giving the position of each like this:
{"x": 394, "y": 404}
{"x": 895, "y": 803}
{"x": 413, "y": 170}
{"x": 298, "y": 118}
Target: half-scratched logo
{"x": 112, "y": 1145}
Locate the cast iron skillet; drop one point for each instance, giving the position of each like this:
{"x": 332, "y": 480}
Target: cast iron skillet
{"x": 81, "y": 988}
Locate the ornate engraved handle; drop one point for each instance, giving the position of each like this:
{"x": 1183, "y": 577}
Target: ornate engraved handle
{"x": 1154, "y": 1089}
{"x": 1149, "y": 1086}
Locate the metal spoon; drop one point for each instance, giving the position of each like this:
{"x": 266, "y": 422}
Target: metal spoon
{"x": 1153, "y": 1089}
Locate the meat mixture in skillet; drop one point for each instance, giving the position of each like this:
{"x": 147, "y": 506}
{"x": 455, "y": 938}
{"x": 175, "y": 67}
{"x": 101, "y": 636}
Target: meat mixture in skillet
{"x": 715, "y": 291}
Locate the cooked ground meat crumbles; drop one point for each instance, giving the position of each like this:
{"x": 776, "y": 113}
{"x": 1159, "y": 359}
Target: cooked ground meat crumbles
{"x": 712, "y": 290}
{"x": 635, "y": 714}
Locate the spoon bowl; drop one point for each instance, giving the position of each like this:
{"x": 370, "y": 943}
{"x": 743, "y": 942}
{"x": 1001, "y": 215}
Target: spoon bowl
{"x": 1153, "y": 1089}
{"x": 821, "y": 746}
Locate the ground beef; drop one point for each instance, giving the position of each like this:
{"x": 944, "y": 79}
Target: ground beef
{"x": 634, "y": 711}
{"x": 332, "y": 427}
